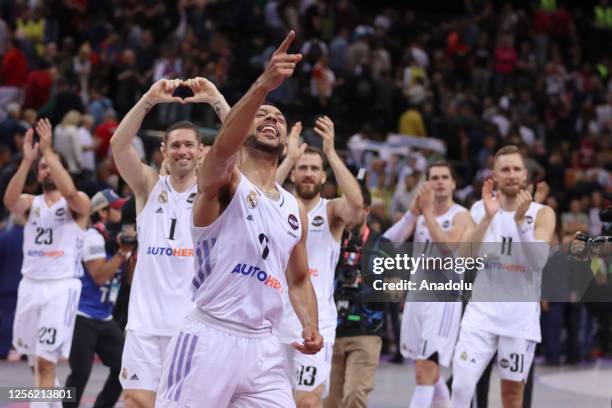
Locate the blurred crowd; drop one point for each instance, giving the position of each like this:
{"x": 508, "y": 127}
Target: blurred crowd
{"x": 538, "y": 77}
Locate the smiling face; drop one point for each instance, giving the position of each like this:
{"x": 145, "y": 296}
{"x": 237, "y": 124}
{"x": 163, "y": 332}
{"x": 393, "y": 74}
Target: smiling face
{"x": 181, "y": 151}
{"x": 510, "y": 174}
{"x": 269, "y": 131}
{"x": 308, "y": 175}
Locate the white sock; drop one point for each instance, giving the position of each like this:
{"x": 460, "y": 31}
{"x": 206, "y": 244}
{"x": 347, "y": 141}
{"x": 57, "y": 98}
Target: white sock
{"x": 441, "y": 397}
{"x": 422, "y": 397}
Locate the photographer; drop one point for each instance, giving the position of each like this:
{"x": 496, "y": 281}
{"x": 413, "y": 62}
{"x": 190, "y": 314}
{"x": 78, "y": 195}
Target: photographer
{"x": 358, "y": 343}
{"x": 104, "y": 254}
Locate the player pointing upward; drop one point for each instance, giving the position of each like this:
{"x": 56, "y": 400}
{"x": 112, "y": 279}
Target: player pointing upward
{"x": 250, "y": 240}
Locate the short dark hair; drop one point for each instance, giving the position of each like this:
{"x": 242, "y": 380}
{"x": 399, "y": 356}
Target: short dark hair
{"x": 441, "y": 164}
{"x": 184, "y": 124}
{"x": 317, "y": 151}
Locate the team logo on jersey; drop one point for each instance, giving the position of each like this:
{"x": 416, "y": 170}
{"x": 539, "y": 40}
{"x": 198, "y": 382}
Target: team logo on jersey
{"x": 317, "y": 221}
{"x": 60, "y": 212}
{"x": 162, "y": 197}
{"x": 464, "y": 356}
{"x": 293, "y": 222}
{"x": 446, "y": 224}
{"x": 250, "y": 217}
{"x": 124, "y": 373}
{"x": 191, "y": 198}
{"x": 251, "y": 200}
{"x": 529, "y": 219}
{"x": 37, "y": 212}
{"x": 503, "y": 363}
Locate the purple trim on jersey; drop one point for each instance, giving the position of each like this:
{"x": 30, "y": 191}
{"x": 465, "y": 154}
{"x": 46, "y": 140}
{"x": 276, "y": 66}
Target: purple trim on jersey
{"x": 170, "y": 379}
{"x": 179, "y": 367}
{"x": 194, "y": 340}
{"x": 204, "y": 267}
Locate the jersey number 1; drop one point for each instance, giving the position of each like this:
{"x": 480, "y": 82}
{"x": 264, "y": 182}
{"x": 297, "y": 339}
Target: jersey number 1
{"x": 172, "y": 228}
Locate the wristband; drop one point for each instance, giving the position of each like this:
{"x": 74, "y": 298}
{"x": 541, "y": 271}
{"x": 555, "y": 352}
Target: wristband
{"x": 124, "y": 254}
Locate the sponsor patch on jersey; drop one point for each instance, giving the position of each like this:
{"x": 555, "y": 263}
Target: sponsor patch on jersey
{"x": 166, "y": 251}
{"x": 446, "y": 224}
{"x": 134, "y": 377}
{"x": 293, "y": 222}
{"x": 317, "y": 221}
{"x": 250, "y": 217}
{"x": 163, "y": 197}
{"x": 251, "y": 199}
{"x": 47, "y": 254}
{"x": 60, "y": 211}
{"x": 503, "y": 363}
{"x": 258, "y": 274}
{"x": 191, "y": 198}
{"x": 159, "y": 211}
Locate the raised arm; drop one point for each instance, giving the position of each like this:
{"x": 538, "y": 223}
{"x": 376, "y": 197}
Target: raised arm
{"x": 14, "y": 199}
{"x": 216, "y": 170}
{"x": 205, "y": 91}
{"x": 77, "y": 200}
{"x": 476, "y": 232}
{"x": 138, "y": 175}
{"x": 346, "y": 209}
{"x": 301, "y": 293}
{"x": 294, "y": 152}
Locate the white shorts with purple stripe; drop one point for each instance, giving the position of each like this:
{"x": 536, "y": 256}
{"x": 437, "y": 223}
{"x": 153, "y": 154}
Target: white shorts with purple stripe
{"x": 428, "y": 328}
{"x": 208, "y": 366}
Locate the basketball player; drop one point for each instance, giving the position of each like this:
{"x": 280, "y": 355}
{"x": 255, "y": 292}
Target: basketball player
{"x": 250, "y": 248}
{"x": 159, "y": 297}
{"x": 326, "y": 221}
{"x": 430, "y": 328}
{"x": 511, "y": 329}
{"x": 49, "y": 291}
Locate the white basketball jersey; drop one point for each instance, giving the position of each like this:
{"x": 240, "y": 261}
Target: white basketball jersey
{"x": 160, "y": 294}
{"x": 323, "y": 253}
{"x": 508, "y": 276}
{"x": 423, "y": 246}
{"x": 241, "y": 260}
{"x": 52, "y": 242}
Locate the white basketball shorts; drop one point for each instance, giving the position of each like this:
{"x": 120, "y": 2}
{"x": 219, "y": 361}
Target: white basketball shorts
{"x": 428, "y": 328}
{"x": 142, "y": 360}
{"x": 45, "y": 316}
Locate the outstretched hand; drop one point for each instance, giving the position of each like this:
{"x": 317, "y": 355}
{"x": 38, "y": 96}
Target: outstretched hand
{"x": 324, "y": 127}
{"x": 294, "y": 149}
{"x": 45, "y": 131}
{"x": 281, "y": 65}
{"x": 162, "y": 90}
{"x": 204, "y": 91}
{"x": 491, "y": 203}
{"x": 30, "y": 149}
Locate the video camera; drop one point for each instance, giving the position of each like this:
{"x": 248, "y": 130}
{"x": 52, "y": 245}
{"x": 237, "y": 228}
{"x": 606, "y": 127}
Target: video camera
{"x": 353, "y": 313}
{"x": 583, "y": 246}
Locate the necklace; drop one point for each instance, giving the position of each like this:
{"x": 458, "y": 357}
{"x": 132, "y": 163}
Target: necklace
{"x": 273, "y": 196}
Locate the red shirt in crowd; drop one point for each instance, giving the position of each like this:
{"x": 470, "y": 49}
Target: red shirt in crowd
{"x": 14, "y": 68}
{"x": 104, "y": 132}
{"x": 505, "y": 60}
{"x": 37, "y": 89}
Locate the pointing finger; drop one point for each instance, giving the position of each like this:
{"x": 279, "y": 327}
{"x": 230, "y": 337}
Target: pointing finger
{"x": 284, "y": 47}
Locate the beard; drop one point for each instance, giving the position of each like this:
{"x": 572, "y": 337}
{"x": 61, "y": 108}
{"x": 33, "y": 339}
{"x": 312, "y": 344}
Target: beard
{"x": 252, "y": 142}
{"x": 304, "y": 192}
{"x": 48, "y": 184}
